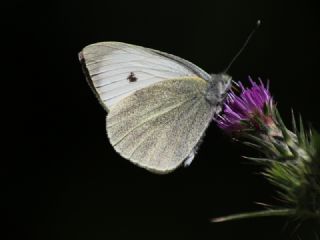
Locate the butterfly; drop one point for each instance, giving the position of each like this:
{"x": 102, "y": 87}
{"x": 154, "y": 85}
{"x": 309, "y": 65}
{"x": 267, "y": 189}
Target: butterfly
{"x": 158, "y": 105}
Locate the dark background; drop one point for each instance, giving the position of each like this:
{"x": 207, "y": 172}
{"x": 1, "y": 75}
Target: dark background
{"x": 63, "y": 178}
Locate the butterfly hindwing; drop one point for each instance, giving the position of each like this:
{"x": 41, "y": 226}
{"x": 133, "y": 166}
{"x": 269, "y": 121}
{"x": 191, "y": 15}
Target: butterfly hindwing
{"x": 160, "y": 132}
{"x": 116, "y": 70}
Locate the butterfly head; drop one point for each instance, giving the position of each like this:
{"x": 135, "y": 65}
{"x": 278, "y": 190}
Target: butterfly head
{"x": 219, "y": 86}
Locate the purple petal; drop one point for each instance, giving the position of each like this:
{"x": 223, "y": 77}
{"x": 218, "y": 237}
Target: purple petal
{"x": 250, "y": 101}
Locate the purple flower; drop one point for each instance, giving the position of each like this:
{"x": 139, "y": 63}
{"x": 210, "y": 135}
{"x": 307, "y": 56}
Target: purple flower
{"x": 246, "y": 110}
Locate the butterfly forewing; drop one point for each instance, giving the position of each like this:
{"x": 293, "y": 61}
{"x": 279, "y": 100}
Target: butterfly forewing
{"x": 116, "y": 70}
{"x": 160, "y": 132}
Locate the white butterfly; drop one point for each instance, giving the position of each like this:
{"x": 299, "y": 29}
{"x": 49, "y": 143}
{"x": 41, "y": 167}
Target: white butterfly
{"x": 159, "y": 105}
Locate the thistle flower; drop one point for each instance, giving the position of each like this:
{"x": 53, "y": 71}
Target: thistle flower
{"x": 291, "y": 159}
{"x": 247, "y": 110}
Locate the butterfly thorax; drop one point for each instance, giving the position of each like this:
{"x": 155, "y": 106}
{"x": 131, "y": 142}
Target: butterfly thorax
{"x": 218, "y": 86}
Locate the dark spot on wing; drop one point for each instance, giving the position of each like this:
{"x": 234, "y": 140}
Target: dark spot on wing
{"x": 132, "y": 77}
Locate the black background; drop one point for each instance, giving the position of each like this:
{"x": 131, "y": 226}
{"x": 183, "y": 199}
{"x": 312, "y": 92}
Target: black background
{"x": 64, "y": 179}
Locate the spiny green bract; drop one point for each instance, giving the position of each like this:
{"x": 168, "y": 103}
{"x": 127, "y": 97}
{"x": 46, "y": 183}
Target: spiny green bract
{"x": 298, "y": 178}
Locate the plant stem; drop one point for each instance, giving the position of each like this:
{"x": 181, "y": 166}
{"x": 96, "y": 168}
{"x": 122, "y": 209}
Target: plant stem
{"x": 265, "y": 213}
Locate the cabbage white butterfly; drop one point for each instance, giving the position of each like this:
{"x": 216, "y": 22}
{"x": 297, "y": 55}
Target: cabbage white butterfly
{"x": 158, "y": 105}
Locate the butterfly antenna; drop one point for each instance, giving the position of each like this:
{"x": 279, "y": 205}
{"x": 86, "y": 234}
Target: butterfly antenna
{"x": 244, "y": 45}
